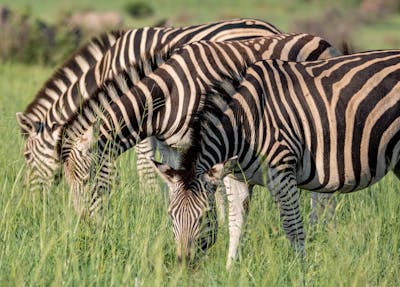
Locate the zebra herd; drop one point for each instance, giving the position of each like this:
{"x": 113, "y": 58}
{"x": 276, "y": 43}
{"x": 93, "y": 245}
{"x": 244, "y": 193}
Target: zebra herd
{"x": 235, "y": 102}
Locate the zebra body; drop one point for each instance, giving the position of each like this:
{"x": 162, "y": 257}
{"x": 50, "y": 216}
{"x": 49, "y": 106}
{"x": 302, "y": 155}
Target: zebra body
{"x": 326, "y": 126}
{"x": 163, "y": 103}
{"x": 140, "y": 51}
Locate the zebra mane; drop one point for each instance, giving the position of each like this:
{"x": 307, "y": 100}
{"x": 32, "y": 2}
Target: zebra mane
{"x": 69, "y": 63}
{"x": 125, "y": 79}
{"x": 84, "y": 116}
{"x": 213, "y": 104}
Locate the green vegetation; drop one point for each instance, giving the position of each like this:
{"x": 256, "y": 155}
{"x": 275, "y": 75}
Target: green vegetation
{"x": 139, "y": 9}
{"x": 42, "y": 241}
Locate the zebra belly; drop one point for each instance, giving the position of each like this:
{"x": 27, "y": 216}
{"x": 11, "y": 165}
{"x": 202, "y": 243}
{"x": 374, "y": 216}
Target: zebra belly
{"x": 258, "y": 176}
{"x": 333, "y": 179}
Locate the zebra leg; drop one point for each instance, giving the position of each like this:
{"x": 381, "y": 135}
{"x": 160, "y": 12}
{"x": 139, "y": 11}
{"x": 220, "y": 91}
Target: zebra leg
{"x": 145, "y": 150}
{"x": 220, "y": 202}
{"x": 237, "y": 193}
{"x": 283, "y": 186}
{"x": 323, "y": 205}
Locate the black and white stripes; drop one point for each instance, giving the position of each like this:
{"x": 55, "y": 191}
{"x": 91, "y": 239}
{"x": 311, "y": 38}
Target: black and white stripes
{"x": 326, "y": 126}
{"x": 137, "y": 52}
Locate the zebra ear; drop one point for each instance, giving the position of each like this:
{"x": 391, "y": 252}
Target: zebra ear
{"x": 167, "y": 173}
{"x": 220, "y": 170}
{"x": 26, "y": 124}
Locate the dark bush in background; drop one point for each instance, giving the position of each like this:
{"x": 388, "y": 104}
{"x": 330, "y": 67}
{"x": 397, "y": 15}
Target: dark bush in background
{"x": 23, "y": 38}
{"x": 28, "y": 40}
{"x": 139, "y": 9}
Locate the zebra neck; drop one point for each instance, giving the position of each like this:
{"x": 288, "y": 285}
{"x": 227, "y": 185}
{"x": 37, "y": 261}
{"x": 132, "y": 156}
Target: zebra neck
{"x": 69, "y": 73}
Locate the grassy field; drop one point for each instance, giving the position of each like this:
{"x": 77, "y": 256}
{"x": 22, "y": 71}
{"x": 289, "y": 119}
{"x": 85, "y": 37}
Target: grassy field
{"x": 43, "y": 243}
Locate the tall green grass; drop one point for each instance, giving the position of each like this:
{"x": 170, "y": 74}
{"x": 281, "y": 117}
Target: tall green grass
{"x": 43, "y": 242}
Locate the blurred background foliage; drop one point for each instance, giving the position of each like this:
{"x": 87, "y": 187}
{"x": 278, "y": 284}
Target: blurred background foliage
{"x": 46, "y": 31}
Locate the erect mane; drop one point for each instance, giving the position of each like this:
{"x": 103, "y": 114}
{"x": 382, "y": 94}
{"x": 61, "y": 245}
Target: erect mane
{"x": 69, "y": 63}
{"x": 213, "y": 104}
{"x": 82, "y": 116}
{"x": 125, "y": 79}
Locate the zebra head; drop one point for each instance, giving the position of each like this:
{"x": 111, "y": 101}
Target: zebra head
{"x": 192, "y": 207}
{"x": 41, "y": 155}
{"x": 193, "y": 212}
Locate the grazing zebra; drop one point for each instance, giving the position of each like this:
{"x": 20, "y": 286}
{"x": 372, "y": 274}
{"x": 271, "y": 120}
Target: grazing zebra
{"x": 31, "y": 121}
{"x": 139, "y": 51}
{"x": 326, "y": 126}
{"x": 162, "y": 105}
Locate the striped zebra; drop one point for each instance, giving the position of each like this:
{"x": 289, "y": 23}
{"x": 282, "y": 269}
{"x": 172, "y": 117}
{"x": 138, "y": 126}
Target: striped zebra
{"x": 31, "y": 120}
{"x": 162, "y": 105}
{"x": 325, "y": 126}
{"x": 138, "y": 52}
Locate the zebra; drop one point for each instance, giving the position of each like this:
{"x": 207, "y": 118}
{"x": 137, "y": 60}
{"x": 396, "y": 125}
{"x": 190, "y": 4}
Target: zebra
{"x": 162, "y": 105}
{"x": 31, "y": 120}
{"x": 140, "y": 51}
{"x": 325, "y": 126}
